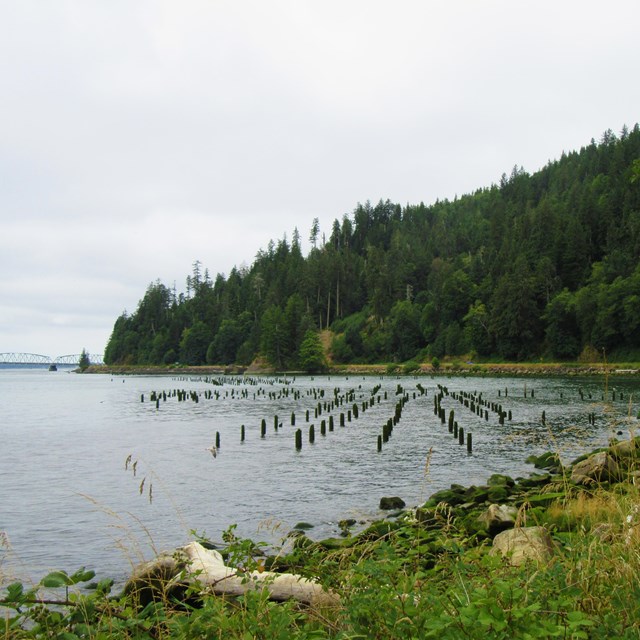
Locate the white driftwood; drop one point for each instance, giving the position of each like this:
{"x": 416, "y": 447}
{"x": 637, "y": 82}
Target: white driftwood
{"x": 207, "y": 567}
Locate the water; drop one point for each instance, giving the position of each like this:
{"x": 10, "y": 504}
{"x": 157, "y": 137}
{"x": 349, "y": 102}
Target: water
{"x": 66, "y": 499}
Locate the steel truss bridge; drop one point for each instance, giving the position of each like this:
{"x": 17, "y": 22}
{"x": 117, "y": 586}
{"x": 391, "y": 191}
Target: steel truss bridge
{"x": 36, "y": 358}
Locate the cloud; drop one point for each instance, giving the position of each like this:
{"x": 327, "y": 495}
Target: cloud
{"x": 139, "y": 137}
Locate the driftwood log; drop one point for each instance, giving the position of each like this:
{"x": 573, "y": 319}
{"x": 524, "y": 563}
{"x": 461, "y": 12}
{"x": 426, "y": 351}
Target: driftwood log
{"x": 195, "y": 566}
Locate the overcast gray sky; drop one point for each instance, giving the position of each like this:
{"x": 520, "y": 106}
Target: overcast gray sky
{"x": 139, "y": 136}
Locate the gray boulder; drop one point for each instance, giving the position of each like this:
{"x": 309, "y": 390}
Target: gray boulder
{"x": 522, "y": 544}
{"x": 392, "y": 503}
{"x": 497, "y": 518}
{"x": 599, "y": 467}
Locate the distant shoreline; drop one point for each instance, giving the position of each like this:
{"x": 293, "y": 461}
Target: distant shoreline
{"x": 445, "y": 369}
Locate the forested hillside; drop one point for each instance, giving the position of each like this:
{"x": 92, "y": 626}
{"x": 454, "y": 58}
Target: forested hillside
{"x": 540, "y": 265}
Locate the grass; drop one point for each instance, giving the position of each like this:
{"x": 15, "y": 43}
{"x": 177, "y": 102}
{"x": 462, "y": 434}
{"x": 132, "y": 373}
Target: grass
{"x": 428, "y": 573}
{"x": 420, "y": 576}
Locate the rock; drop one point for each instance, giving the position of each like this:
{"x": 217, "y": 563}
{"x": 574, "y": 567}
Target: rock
{"x": 477, "y": 495}
{"x": 599, "y": 467}
{"x": 534, "y": 480}
{"x": 497, "y": 518}
{"x": 448, "y": 496}
{"x": 625, "y": 449}
{"x": 392, "y": 503}
{"x": 427, "y": 518}
{"x": 548, "y": 460}
{"x": 500, "y": 480}
{"x": 303, "y": 526}
{"x": 497, "y": 494}
{"x": 522, "y": 544}
{"x": 345, "y": 524}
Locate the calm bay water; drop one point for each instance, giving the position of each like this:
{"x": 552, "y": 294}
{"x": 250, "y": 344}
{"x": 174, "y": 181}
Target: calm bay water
{"x": 67, "y": 501}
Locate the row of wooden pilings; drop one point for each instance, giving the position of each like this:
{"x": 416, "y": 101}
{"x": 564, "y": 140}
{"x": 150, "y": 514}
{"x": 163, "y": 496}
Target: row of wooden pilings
{"x": 457, "y": 431}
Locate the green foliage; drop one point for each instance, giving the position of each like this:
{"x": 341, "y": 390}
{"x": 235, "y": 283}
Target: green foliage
{"x": 311, "y": 357}
{"x": 405, "y": 335}
{"x": 411, "y": 366}
{"x": 562, "y": 326}
{"x": 541, "y": 263}
{"x": 84, "y": 362}
{"x": 414, "y": 577}
{"x": 194, "y": 343}
{"x": 274, "y": 339}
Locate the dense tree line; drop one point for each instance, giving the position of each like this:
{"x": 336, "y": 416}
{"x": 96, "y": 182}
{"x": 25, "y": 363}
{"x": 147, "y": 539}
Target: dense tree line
{"x": 545, "y": 264}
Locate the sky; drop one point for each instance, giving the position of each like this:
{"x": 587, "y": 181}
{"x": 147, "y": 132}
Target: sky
{"x": 138, "y": 136}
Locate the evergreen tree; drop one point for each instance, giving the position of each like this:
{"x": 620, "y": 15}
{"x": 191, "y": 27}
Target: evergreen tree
{"x": 311, "y": 355}
{"x": 546, "y": 261}
{"x": 84, "y": 362}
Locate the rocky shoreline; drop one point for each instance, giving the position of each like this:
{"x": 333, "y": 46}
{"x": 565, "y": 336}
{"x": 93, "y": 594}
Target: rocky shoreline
{"x": 524, "y": 519}
{"x": 446, "y": 369}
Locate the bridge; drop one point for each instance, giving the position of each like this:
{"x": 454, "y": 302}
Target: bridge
{"x": 36, "y": 358}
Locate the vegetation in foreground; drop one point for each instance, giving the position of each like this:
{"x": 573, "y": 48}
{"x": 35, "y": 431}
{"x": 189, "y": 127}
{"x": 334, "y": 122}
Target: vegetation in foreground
{"x": 425, "y": 573}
